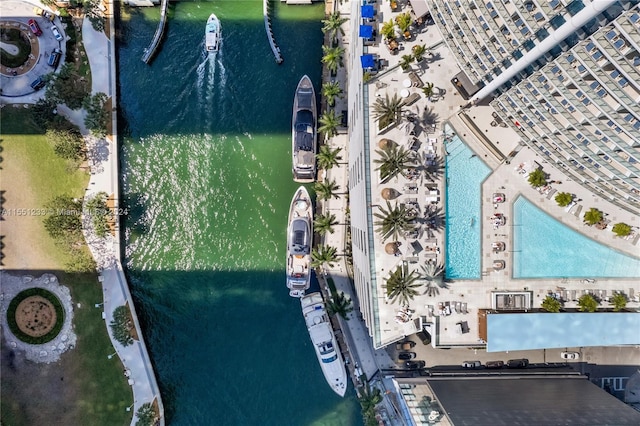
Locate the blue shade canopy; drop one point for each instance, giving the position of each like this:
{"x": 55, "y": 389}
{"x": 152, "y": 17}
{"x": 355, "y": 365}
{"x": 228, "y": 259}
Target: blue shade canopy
{"x": 367, "y": 11}
{"x": 366, "y": 31}
{"x": 367, "y": 61}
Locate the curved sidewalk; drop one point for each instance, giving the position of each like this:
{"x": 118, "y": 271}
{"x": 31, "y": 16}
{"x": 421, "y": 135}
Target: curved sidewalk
{"x": 105, "y": 178}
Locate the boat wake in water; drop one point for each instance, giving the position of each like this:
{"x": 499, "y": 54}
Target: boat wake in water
{"x": 211, "y": 75}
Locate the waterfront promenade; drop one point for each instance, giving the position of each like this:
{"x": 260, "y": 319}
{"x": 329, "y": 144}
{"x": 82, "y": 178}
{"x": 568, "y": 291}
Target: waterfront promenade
{"x": 105, "y": 178}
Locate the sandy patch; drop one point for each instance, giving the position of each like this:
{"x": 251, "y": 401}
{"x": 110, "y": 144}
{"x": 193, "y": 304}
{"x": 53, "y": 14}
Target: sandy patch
{"x": 35, "y": 316}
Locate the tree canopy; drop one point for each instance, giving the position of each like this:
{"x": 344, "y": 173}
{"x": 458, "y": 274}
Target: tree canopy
{"x": 537, "y": 178}
{"x": 621, "y": 229}
{"x": 97, "y": 115}
{"x": 121, "y": 325}
{"x": 592, "y": 216}
{"x": 564, "y": 199}
{"x": 587, "y": 303}
{"x": 393, "y": 221}
{"x": 551, "y": 304}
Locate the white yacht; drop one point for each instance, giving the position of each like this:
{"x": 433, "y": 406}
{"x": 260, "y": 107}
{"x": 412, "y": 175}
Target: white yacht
{"x": 324, "y": 342}
{"x": 212, "y": 34}
{"x": 299, "y": 237}
{"x": 304, "y": 132}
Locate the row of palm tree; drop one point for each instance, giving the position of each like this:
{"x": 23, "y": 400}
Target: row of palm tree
{"x": 593, "y": 215}
{"x": 332, "y": 25}
{"x": 403, "y": 284}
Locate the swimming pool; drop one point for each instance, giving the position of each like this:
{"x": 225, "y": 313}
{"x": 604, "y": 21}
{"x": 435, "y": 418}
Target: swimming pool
{"x": 464, "y": 173}
{"x": 545, "y": 248}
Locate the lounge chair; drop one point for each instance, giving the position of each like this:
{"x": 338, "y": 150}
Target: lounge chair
{"x": 415, "y": 80}
{"x": 550, "y": 194}
{"x": 413, "y": 98}
{"x": 577, "y": 211}
{"x": 463, "y": 308}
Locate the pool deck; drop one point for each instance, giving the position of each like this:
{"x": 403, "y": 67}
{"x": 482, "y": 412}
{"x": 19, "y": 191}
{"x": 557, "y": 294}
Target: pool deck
{"x": 493, "y": 144}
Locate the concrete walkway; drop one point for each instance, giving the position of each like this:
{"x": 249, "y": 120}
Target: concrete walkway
{"x": 354, "y": 329}
{"x": 103, "y": 160}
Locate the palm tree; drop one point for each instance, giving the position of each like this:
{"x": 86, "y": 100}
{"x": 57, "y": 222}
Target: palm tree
{"x": 619, "y": 301}
{"x": 331, "y": 91}
{"x": 327, "y": 157}
{"x": 621, "y": 229}
{"x": 326, "y": 190}
{"x": 428, "y": 89}
{"x": 592, "y": 216}
{"x": 393, "y": 221}
{"x": 388, "y": 30}
{"x": 437, "y": 219}
{"x": 418, "y": 52}
{"x": 324, "y": 223}
{"x": 323, "y": 255}
{"x": 339, "y": 304}
{"x": 332, "y": 57}
{"x": 564, "y": 199}
{"x": 551, "y": 304}
{"x": 368, "y": 399}
{"x": 537, "y": 178}
{"x": 387, "y": 110}
{"x": 404, "y": 22}
{"x": 333, "y": 24}
{"x": 433, "y": 275}
{"x": 435, "y": 170}
{"x": 329, "y": 123}
{"x": 401, "y": 285}
{"x": 405, "y": 62}
{"x": 393, "y": 161}
{"x": 587, "y": 303}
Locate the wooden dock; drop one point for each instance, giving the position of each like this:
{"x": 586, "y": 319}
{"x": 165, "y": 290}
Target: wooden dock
{"x": 267, "y": 26}
{"x": 150, "y": 51}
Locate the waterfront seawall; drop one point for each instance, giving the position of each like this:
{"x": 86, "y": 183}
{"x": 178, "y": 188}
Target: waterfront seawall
{"x": 106, "y": 177}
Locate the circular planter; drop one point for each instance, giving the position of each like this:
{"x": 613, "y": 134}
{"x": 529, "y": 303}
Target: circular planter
{"x": 35, "y": 316}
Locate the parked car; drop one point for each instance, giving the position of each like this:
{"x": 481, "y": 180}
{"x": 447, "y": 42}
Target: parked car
{"x": 494, "y": 364}
{"x": 518, "y": 363}
{"x": 35, "y": 28}
{"x": 56, "y": 33}
{"x": 415, "y": 365}
{"x": 37, "y": 84}
{"x": 471, "y": 364}
{"x": 54, "y": 58}
{"x": 424, "y": 337}
{"x": 41, "y": 12}
{"x": 405, "y": 346}
{"x": 570, "y": 355}
{"x": 406, "y": 355}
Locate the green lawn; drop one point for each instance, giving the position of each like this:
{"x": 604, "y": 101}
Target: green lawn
{"x": 101, "y": 393}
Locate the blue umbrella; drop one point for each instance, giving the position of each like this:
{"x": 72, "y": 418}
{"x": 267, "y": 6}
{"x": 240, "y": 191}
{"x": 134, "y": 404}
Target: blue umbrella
{"x": 366, "y": 31}
{"x": 367, "y": 11}
{"x": 367, "y": 61}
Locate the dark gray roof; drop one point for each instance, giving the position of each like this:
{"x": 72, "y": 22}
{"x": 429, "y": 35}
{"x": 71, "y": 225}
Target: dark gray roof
{"x": 535, "y": 402}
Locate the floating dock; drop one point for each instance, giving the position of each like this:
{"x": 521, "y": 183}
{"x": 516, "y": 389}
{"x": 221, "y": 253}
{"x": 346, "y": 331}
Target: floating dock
{"x": 150, "y": 51}
{"x": 267, "y": 26}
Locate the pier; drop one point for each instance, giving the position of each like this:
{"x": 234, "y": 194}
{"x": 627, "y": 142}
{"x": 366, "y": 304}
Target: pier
{"x": 155, "y": 43}
{"x": 267, "y": 26}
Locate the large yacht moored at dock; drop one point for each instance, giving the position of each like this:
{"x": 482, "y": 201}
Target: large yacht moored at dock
{"x": 304, "y": 132}
{"x": 299, "y": 236}
{"x": 324, "y": 342}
